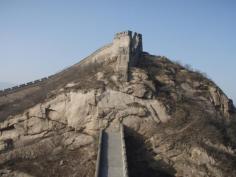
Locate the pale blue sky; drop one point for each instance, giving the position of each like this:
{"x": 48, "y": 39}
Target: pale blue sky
{"x": 39, "y": 38}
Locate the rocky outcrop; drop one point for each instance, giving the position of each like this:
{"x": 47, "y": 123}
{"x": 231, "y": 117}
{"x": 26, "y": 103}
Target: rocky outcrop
{"x": 177, "y": 122}
{"x": 221, "y": 102}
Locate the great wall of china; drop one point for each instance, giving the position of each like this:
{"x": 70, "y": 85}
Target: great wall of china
{"x": 25, "y": 85}
{"x": 125, "y": 46}
{"x": 111, "y": 153}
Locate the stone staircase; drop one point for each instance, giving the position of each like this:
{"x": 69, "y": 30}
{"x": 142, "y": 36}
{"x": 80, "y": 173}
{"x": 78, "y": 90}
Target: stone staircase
{"x": 112, "y": 160}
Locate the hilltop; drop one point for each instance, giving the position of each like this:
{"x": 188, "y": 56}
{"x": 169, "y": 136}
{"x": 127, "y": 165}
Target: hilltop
{"x": 177, "y": 121}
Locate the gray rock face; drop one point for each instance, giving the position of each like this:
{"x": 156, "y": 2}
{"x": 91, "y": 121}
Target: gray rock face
{"x": 220, "y": 100}
{"x": 177, "y": 122}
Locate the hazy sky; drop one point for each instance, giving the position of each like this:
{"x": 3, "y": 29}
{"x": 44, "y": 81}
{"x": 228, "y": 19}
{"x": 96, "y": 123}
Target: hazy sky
{"x": 39, "y": 38}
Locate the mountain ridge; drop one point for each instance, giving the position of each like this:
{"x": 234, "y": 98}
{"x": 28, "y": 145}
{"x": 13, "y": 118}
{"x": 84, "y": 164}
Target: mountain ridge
{"x": 177, "y": 122}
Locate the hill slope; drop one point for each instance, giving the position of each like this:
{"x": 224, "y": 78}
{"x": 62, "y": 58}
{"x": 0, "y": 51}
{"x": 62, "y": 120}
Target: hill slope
{"x": 178, "y": 123}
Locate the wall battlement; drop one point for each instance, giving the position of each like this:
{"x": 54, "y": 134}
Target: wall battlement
{"x": 126, "y": 46}
{"x": 124, "y": 33}
{"x": 22, "y": 86}
{"x": 128, "y": 34}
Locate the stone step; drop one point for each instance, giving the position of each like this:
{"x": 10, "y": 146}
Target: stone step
{"x": 111, "y": 157}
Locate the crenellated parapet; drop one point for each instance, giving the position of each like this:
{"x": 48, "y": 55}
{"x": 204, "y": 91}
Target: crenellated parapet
{"x": 25, "y": 85}
{"x": 122, "y": 34}
{"x": 126, "y": 48}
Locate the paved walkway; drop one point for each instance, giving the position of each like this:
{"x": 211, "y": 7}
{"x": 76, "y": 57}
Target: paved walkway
{"x": 111, "y": 164}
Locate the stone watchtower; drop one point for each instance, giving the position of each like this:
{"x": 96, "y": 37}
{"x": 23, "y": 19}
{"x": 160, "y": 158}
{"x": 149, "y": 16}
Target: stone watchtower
{"x": 127, "y": 48}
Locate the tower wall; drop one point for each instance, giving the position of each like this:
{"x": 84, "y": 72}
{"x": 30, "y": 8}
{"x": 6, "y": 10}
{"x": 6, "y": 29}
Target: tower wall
{"x": 127, "y": 48}
{"x": 121, "y": 49}
{"x": 136, "y": 49}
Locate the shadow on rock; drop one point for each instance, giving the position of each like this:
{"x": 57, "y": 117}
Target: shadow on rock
{"x": 141, "y": 162}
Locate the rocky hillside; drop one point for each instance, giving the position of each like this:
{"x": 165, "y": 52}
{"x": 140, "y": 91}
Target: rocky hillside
{"x": 177, "y": 122}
